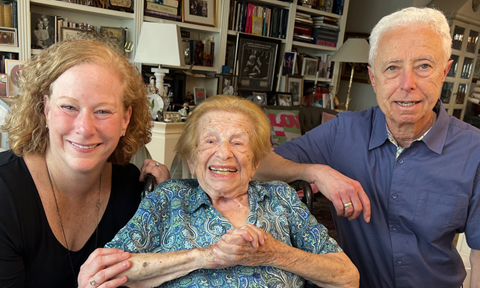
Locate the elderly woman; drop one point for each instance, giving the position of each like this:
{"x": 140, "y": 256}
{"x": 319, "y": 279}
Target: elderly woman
{"x": 222, "y": 228}
{"x": 66, "y": 186}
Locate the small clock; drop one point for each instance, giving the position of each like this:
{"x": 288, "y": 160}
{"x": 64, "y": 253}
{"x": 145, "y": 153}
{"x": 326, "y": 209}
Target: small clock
{"x": 125, "y": 5}
{"x": 475, "y": 5}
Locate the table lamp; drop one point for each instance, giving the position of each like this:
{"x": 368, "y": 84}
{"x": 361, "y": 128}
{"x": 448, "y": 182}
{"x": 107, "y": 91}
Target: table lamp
{"x": 160, "y": 44}
{"x": 353, "y": 51}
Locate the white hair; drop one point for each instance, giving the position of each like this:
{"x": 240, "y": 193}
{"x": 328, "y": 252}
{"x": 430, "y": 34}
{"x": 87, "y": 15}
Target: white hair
{"x": 412, "y": 16}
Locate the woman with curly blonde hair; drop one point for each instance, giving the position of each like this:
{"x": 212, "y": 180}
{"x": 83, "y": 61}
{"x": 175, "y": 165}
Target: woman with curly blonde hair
{"x": 66, "y": 184}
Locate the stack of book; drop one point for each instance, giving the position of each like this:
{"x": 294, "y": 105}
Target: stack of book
{"x": 325, "y": 31}
{"x": 165, "y": 9}
{"x": 303, "y": 29}
{"x": 8, "y": 14}
{"x": 258, "y": 20}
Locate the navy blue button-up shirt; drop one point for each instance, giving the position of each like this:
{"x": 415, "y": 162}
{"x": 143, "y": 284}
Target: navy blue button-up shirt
{"x": 419, "y": 200}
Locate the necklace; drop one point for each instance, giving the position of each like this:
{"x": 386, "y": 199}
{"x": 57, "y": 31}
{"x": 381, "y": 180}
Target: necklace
{"x": 61, "y": 222}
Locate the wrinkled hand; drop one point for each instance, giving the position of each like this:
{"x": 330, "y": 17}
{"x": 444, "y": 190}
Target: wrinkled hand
{"x": 248, "y": 245}
{"x": 341, "y": 190}
{"x": 103, "y": 265}
{"x": 158, "y": 170}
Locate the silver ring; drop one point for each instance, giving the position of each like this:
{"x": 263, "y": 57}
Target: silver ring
{"x": 157, "y": 164}
{"x": 346, "y": 205}
{"x": 93, "y": 283}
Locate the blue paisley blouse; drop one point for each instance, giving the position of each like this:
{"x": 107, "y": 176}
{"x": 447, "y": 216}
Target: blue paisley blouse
{"x": 178, "y": 215}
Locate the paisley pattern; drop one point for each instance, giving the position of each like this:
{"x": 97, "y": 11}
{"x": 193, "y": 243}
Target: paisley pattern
{"x": 178, "y": 215}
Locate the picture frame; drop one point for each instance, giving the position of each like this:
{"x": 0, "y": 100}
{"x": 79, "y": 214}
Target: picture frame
{"x": 199, "y": 12}
{"x": 44, "y": 30}
{"x": 284, "y": 99}
{"x": 169, "y": 116}
{"x": 309, "y": 66}
{"x": 199, "y": 94}
{"x": 255, "y": 65}
{"x": 328, "y": 101}
{"x": 289, "y": 62}
{"x": 3, "y": 85}
{"x": 294, "y": 85}
{"x": 115, "y": 34}
{"x": 259, "y": 98}
{"x": 68, "y": 33}
{"x": 8, "y": 36}
{"x": 227, "y": 84}
{"x": 13, "y": 69}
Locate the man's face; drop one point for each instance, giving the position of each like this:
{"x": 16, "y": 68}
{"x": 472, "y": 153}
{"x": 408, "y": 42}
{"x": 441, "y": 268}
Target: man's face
{"x": 45, "y": 22}
{"x": 409, "y": 71}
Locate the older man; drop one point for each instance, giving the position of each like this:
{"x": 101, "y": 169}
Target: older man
{"x": 416, "y": 168}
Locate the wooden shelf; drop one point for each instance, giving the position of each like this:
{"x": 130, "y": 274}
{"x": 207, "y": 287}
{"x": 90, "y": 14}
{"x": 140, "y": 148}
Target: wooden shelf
{"x": 60, "y": 5}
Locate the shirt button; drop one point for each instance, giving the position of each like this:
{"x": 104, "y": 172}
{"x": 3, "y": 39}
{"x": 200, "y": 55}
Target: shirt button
{"x": 400, "y": 161}
{"x": 399, "y": 261}
{"x": 395, "y": 196}
{"x": 394, "y": 228}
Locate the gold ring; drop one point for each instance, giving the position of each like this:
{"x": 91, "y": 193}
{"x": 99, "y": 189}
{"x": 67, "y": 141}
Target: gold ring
{"x": 157, "y": 164}
{"x": 346, "y": 205}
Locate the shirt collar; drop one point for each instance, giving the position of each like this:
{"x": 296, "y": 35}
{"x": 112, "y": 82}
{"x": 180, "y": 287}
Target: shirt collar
{"x": 435, "y": 139}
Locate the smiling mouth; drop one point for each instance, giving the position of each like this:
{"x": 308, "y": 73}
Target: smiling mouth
{"x": 223, "y": 171}
{"x": 84, "y": 147}
{"x": 406, "y": 104}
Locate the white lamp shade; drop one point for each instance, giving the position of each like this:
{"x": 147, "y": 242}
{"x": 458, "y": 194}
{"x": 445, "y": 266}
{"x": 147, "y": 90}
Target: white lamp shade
{"x": 354, "y": 50}
{"x": 160, "y": 44}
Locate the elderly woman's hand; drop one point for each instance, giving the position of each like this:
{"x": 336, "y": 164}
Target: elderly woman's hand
{"x": 248, "y": 245}
{"x": 102, "y": 266}
{"x": 158, "y": 170}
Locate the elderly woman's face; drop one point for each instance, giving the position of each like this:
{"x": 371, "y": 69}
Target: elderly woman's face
{"x": 223, "y": 160}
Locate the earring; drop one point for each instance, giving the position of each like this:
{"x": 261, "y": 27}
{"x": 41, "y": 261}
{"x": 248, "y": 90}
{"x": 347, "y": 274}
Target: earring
{"x": 123, "y": 134}
{"x": 46, "y": 126}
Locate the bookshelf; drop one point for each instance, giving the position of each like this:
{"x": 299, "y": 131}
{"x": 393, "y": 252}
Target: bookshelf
{"x": 133, "y": 21}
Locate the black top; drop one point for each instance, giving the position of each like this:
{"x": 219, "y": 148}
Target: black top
{"x": 30, "y": 255}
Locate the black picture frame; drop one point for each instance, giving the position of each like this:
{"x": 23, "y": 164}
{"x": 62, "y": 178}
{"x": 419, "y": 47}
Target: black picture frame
{"x": 255, "y": 65}
{"x": 43, "y": 37}
{"x": 227, "y": 84}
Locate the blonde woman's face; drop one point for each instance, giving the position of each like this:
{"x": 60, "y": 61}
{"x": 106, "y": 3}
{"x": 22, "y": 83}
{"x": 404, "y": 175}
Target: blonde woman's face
{"x": 85, "y": 116}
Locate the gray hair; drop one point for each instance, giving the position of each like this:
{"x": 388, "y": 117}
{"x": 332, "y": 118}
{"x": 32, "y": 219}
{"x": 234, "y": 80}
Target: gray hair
{"x": 412, "y": 16}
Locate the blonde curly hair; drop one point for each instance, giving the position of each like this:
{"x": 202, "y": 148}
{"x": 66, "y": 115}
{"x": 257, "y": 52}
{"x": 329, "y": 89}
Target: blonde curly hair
{"x": 26, "y": 122}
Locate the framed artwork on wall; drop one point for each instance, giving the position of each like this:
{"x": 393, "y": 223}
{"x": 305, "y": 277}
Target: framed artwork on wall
{"x": 44, "y": 30}
{"x": 199, "y": 12}
{"x": 13, "y": 68}
{"x": 294, "y": 85}
{"x": 256, "y": 62}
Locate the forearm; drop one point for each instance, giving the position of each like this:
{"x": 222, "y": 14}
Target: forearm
{"x": 325, "y": 270}
{"x": 158, "y": 268}
{"x": 275, "y": 167}
{"x": 475, "y": 264}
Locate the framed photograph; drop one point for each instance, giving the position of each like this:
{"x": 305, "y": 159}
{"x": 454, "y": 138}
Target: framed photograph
{"x": 284, "y": 99}
{"x": 328, "y": 101}
{"x": 171, "y": 116}
{"x": 199, "y": 12}
{"x": 289, "y": 59}
{"x": 44, "y": 30}
{"x": 3, "y": 85}
{"x": 116, "y": 35}
{"x": 13, "y": 68}
{"x": 259, "y": 98}
{"x": 200, "y": 94}
{"x": 309, "y": 67}
{"x": 256, "y": 62}
{"x": 8, "y": 36}
{"x": 227, "y": 84}
{"x": 73, "y": 33}
{"x": 294, "y": 85}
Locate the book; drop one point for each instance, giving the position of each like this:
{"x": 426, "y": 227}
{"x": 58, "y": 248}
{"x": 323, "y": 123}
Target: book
{"x": 248, "y": 25}
{"x": 7, "y": 15}
{"x": 171, "y": 3}
{"x": 257, "y": 27}
{"x": 160, "y": 8}
{"x": 163, "y": 15}
{"x": 2, "y": 19}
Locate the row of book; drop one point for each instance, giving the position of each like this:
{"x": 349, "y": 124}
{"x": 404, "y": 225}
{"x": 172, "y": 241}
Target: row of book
{"x": 8, "y": 14}
{"x": 165, "y": 9}
{"x": 199, "y": 52}
{"x": 258, "y": 20}
{"x": 331, "y": 6}
{"x": 319, "y": 30}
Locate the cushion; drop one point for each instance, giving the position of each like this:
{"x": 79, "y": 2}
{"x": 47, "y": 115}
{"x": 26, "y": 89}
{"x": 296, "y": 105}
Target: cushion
{"x": 284, "y": 125}
{"x": 327, "y": 116}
